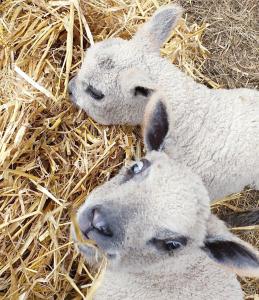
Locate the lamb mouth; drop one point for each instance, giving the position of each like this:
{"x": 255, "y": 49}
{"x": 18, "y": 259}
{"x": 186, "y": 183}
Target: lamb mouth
{"x": 84, "y": 249}
{"x": 111, "y": 255}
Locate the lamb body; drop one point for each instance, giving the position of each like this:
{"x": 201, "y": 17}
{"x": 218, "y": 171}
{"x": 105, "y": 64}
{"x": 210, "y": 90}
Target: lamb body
{"x": 215, "y": 132}
{"x": 154, "y": 224}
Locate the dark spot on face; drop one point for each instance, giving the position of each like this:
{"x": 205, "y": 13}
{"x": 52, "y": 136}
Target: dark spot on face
{"x": 106, "y": 63}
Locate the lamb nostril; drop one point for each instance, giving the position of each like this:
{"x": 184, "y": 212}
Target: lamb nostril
{"x": 100, "y": 223}
{"x": 71, "y": 86}
{"x": 85, "y": 232}
{"x": 69, "y": 89}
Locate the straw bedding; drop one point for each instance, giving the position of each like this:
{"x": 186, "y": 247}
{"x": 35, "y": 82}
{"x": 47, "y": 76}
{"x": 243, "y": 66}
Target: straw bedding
{"x": 51, "y": 154}
{"x": 231, "y": 38}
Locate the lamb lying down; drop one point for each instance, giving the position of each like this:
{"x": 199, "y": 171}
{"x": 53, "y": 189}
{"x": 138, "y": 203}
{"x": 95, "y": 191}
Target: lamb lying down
{"x": 154, "y": 224}
{"x": 215, "y": 132}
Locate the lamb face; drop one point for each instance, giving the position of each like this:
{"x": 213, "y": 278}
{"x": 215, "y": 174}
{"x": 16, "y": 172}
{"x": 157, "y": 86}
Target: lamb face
{"x": 156, "y": 206}
{"x": 114, "y": 82}
{"x": 97, "y": 87}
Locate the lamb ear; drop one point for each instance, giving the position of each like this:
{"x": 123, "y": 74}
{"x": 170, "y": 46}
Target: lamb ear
{"x": 229, "y": 251}
{"x": 156, "y": 123}
{"x": 155, "y": 32}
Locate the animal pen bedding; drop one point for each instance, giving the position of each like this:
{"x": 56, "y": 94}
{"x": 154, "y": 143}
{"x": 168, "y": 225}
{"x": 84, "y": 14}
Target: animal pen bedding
{"x": 52, "y": 155}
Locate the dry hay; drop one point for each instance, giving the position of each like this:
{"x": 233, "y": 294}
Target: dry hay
{"x": 51, "y": 154}
{"x": 232, "y": 38}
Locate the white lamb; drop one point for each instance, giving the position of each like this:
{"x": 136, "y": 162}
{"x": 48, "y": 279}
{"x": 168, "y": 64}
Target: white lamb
{"x": 154, "y": 224}
{"x": 215, "y": 132}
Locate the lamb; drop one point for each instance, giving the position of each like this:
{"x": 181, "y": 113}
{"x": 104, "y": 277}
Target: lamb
{"x": 215, "y": 132}
{"x": 153, "y": 223}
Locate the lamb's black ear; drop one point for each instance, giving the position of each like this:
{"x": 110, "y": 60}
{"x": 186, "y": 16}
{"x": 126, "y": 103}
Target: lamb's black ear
{"x": 156, "y": 123}
{"x": 235, "y": 254}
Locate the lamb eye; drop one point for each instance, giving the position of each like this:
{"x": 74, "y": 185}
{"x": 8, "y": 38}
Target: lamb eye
{"x": 137, "y": 167}
{"x": 140, "y": 166}
{"x": 94, "y": 93}
{"x": 169, "y": 244}
{"x": 172, "y": 245}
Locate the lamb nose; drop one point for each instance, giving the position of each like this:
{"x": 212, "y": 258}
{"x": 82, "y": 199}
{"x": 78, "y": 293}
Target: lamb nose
{"x": 70, "y": 86}
{"x": 100, "y": 223}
